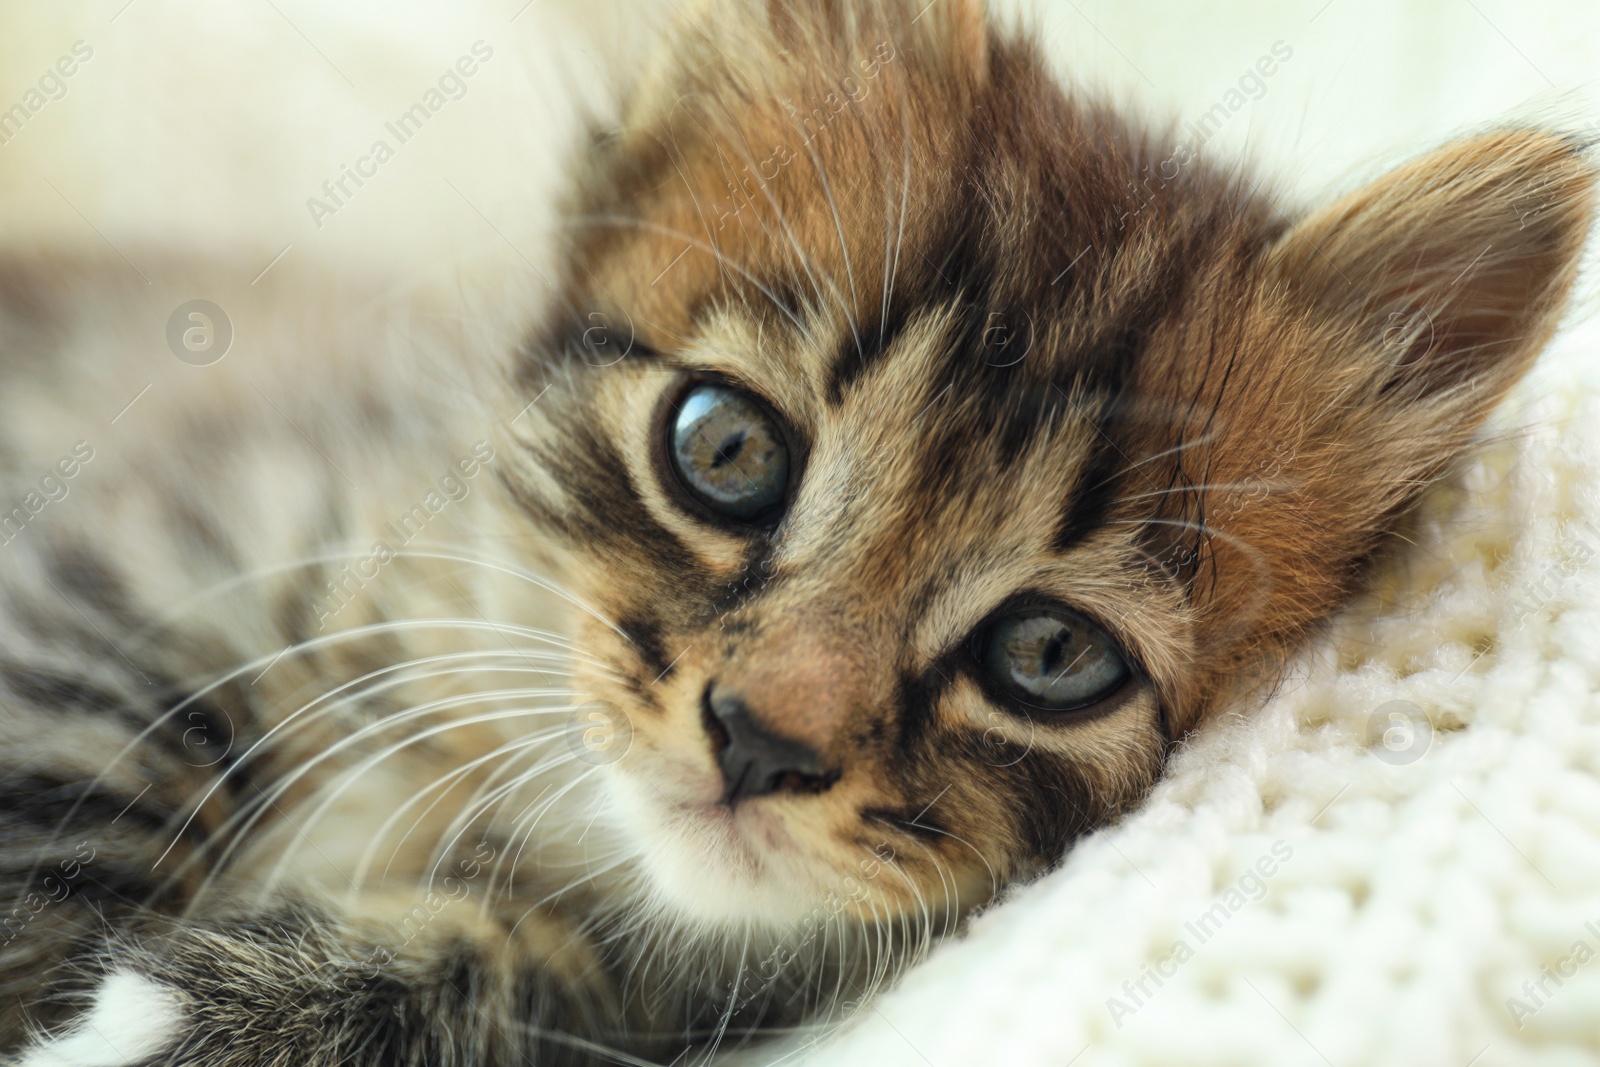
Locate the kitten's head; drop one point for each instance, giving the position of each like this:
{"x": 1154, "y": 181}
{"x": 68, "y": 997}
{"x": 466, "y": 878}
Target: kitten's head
{"x": 943, "y": 445}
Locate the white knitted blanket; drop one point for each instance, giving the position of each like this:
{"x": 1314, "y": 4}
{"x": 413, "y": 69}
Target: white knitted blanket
{"x": 1395, "y": 861}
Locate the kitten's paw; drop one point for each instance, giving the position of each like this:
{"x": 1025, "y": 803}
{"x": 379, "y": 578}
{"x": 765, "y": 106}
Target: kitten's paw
{"x": 132, "y": 1019}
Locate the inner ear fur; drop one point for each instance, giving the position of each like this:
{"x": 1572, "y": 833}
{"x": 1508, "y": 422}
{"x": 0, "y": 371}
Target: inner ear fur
{"x": 1383, "y": 329}
{"x": 1451, "y": 271}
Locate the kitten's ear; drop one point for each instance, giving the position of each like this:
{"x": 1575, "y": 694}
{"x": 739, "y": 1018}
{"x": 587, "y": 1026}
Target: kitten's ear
{"x": 1383, "y": 329}
{"x": 1451, "y": 271}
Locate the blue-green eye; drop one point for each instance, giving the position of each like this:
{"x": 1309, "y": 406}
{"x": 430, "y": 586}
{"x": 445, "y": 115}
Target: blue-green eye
{"x": 1052, "y": 659}
{"x": 729, "y": 452}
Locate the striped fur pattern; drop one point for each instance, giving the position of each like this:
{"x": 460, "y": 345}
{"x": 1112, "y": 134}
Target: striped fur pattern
{"x": 295, "y": 761}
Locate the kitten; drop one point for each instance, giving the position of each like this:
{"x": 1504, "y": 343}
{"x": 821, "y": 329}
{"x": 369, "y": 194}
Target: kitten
{"x": 913, "y": 453}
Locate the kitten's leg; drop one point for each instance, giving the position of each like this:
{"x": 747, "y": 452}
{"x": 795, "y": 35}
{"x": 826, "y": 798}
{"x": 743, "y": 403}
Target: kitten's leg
{"x": 304, "y": 986}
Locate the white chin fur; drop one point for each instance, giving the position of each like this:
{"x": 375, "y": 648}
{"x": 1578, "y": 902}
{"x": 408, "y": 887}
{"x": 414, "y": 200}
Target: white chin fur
{"x": 703, "y": 875}
{"x": 132, "y": 1019}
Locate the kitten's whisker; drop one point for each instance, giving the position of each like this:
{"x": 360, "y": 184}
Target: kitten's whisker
{"x": 537, "y": 813}
{"x": 258, "y": 574}
{"x": 1204, "y": 439}
{"x": 271, "y": 734}
{"x": 527, "y": 777}
{"x": 449, "y": 780}
{"x": 725, "y": 1016}
{"x": 480, "y": 802}
{"x": 1199, "y": 527}
{"x": 800, "y": 256}
{"x": 590, "y": 875}
{"x": 526, "y": 576}
{"x": 1272, "y": 485}
{"x": 238, "y": 672}
{"x": 350, "y": 776}
{"x": 892, "y": 266}
{"x": 487, "y": 797}
{"x": 251, "y": 814}
{"x": 852, "y": 312}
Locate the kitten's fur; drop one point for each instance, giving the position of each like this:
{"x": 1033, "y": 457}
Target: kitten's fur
{"x": 1028, "y": 355}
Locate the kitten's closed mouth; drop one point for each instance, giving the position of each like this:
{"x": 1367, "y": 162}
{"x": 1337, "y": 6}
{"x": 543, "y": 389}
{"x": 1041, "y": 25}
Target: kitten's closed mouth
{"x": 747, "y": 829}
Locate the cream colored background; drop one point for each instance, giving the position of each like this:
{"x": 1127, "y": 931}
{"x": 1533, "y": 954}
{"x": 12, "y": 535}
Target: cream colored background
{"x": 211, "y": 121}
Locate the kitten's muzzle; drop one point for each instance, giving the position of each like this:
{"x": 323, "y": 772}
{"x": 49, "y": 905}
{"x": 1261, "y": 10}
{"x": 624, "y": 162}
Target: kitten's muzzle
{"x": 755, "y": 760}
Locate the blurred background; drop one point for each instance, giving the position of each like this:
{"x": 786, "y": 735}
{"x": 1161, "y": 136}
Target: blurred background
{"x": 212, "y": 124}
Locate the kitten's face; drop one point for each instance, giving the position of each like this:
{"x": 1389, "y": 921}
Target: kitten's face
{"x": 939, "y": 448}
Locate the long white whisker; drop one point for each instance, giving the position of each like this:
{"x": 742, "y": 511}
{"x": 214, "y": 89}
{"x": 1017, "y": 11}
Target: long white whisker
{"x": 349, "y": 778}
{"x": 403, "y": 624}
{"x": 388, "y": 722}
{"x": 449, "y": 779}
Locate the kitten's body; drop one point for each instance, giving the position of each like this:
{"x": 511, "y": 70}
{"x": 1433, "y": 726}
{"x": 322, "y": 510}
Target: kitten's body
{"x": 363, "y": 823}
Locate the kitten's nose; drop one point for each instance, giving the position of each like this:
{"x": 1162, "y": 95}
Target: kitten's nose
{"x": 756, "y": 761}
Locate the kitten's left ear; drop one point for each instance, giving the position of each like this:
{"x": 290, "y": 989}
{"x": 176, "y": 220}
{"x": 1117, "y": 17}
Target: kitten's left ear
{"x": 1456, "y": 265}
{"x": 1383, "y": 329}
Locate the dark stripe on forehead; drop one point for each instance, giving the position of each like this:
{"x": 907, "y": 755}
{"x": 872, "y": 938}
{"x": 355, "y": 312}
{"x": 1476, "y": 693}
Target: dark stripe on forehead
{"x": 851, "y": 362}
{"x": 1091, "y": 496}
{"x": 1107, "y": 369}
{"x": 915, "y": 820}
{"x": 956, "y": 264}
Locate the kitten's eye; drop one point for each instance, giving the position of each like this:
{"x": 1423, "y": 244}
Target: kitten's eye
{"x": 1052, "y": 659}
{"x": 729, "y": 452}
